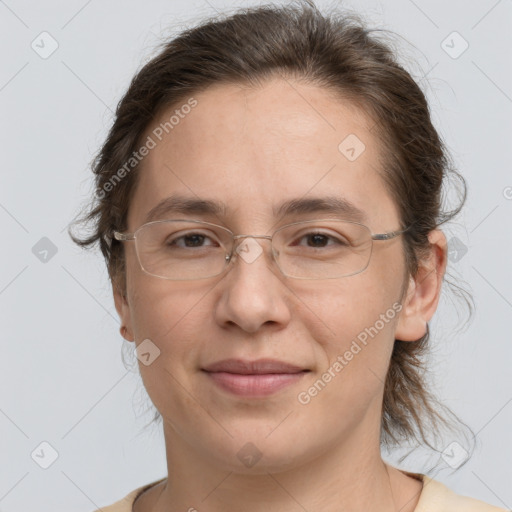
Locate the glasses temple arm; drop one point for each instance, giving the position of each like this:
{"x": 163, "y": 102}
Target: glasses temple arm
{"x": 123, "y": 236}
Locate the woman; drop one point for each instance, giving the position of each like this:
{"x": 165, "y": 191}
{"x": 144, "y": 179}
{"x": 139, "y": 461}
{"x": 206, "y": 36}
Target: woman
{"x": 269, "y": 210}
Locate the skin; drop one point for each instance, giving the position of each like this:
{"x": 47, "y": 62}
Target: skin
{"x": 252, "y": 149}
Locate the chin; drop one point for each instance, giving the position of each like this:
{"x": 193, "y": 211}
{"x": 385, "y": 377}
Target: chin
{"x": 259, "y": 453}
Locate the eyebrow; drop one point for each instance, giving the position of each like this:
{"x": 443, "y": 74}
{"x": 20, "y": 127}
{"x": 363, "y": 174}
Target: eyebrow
{"x": 333, "y": 205}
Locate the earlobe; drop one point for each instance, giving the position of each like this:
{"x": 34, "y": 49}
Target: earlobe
{"x": 424, "y": 291}
{"x": 123, "y": 310}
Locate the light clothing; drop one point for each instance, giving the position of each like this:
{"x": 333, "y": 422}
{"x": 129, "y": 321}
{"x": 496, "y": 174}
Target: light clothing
{"x": 434, "y": 497}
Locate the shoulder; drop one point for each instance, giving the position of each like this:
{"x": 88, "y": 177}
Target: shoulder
{"x": 436, "y": 497}
{"x": 125, "y": 504}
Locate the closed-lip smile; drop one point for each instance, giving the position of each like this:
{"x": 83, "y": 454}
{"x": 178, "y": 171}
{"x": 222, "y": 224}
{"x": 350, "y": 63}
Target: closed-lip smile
{"x": 257, "y": 378}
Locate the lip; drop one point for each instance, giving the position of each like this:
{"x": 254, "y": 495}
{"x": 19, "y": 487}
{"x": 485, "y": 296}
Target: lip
{"x": 258, "y": 378}
{"x": 257, "y": 367}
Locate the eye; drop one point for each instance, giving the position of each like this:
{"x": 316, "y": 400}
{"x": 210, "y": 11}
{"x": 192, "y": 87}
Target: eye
{"x": 190, "y": 240}
{"x": 319, "y": 240}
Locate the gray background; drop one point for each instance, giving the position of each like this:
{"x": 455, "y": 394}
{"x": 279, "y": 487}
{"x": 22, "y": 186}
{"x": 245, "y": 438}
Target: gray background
{"x": 62, "y": 378}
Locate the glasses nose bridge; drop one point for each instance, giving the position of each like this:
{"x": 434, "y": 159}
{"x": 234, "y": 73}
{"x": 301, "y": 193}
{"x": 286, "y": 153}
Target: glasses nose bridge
{"x": 235, "y": 238}
{"x": 241, "y": 237}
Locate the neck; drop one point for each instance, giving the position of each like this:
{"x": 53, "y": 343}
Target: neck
{"x": 349, "y": 476}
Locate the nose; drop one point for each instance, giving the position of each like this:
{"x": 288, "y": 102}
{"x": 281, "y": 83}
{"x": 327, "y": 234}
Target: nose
{"x": 253, "y": 291}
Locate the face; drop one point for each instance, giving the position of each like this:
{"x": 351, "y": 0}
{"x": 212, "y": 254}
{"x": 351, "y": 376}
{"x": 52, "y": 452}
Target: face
{"x": 253, "y": 149}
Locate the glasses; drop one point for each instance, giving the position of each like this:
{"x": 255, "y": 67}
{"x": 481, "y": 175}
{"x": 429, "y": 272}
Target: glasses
{"x": 314, "y": 249}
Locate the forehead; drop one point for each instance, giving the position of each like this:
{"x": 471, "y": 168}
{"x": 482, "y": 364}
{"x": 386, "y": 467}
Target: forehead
{"x": 253, "y": 148}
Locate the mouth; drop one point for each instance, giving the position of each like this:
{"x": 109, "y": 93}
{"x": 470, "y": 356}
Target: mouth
{"x": 258, "y": 378}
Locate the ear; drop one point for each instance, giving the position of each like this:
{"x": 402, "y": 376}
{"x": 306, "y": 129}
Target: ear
{"x": 424, "y": 291}
{"x": 123, "y": 310}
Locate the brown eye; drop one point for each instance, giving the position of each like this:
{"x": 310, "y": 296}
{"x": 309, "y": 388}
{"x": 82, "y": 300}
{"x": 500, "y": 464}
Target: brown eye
{"x": 191, "y": 240}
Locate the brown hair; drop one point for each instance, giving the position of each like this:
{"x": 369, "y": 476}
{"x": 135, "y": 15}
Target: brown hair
{"x": 338, "y": 53}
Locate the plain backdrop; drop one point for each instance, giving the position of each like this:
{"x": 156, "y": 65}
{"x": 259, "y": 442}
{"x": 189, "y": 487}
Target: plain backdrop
{"x": 62, "y": 378}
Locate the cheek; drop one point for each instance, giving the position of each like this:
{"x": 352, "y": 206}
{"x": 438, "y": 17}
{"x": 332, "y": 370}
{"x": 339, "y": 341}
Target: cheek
{"x": 341, "y": 310}
{"x": 353, "y": 325}
{"x": 174, "y": 321}
{"x": 173, "y": 316}
{"x": 355, "y": 359}
{"x": 168, "y": 312}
